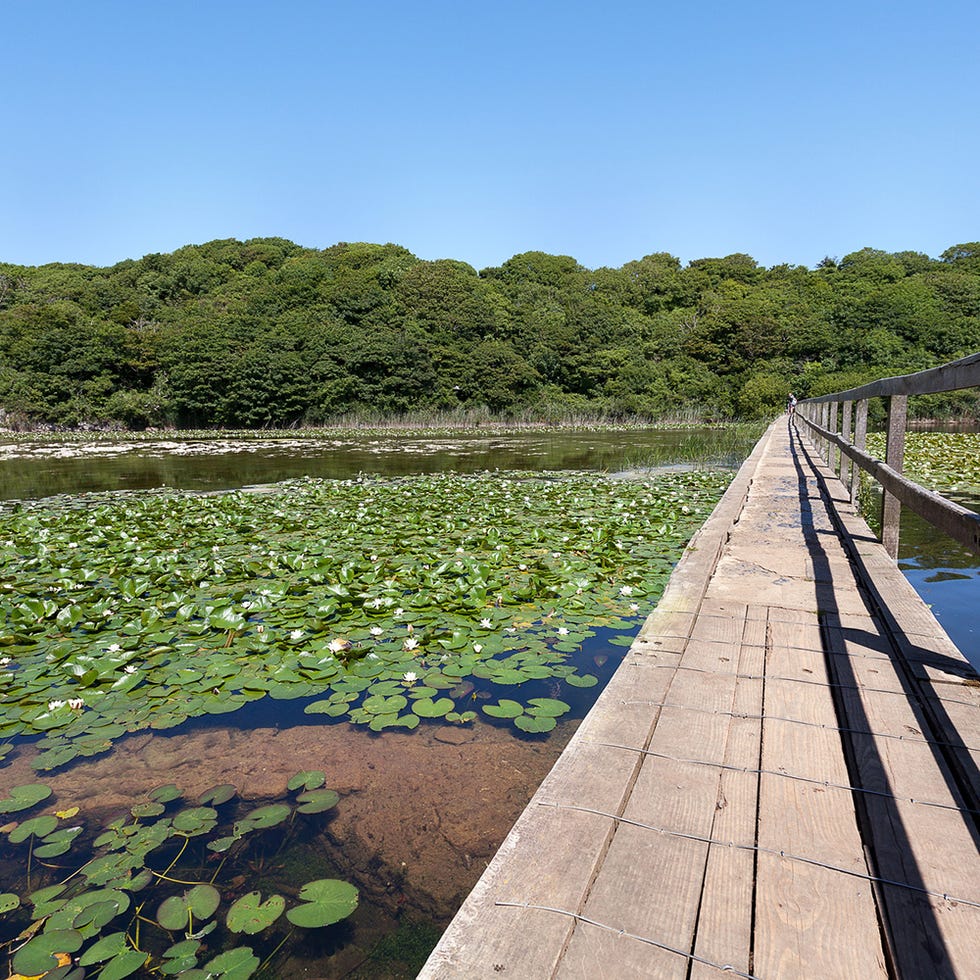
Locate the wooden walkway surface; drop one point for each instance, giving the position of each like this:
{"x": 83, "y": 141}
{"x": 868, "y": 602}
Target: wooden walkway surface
{"x": 781, "y": 780}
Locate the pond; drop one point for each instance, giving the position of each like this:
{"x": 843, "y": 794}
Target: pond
{"x": 314, "y": 684}
{"x": 234, "y": 705}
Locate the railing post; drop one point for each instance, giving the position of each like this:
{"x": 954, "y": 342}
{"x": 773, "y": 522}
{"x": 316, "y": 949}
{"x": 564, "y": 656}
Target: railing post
{"x": 833, "y": 453}
{"x": 824, "y": 422}
{"x": 860, "y": 442}
{"x": 891, "y": 507}
{"x": 845, "y": 431}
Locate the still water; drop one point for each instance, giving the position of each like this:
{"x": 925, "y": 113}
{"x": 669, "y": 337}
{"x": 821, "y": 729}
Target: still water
{"x": 44, "y": 469}
{"x": 945, "y": 575}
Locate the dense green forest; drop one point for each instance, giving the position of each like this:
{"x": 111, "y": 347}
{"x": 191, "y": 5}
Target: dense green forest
{"x": 268, "y": 333}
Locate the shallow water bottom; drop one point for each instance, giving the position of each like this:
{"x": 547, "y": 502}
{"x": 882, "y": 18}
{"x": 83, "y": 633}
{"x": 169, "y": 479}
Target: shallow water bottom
{"x": 419, "y": 818}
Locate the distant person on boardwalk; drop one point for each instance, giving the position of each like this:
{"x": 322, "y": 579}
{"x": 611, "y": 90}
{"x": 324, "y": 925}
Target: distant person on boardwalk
{"x": 791, "y": 404}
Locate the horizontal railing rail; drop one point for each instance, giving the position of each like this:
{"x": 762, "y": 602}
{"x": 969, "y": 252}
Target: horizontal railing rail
{"x": 844, "y": 446}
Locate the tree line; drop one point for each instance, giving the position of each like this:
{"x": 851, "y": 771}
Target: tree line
{"x": 266, "y": 333}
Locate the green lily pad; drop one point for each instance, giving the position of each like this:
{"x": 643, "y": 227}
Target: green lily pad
{"x": 180, "y": 957}
{"x": 251, "y": 915}
{"x": 9, "y": 902}
{"x": 195, "y": 821}
{"x": 89, "y": 912}
{"x": 38, "y": 826}
{"x": 150, "y": 809}
{"x": 547, "y": 707}
{"x": 165, "y": 793}
{"x": 326, "y": 901}
{"x": 38, "y": 955}
{"x": 104, "y": 949}
{"x": 380, "y": 705}
{"x": 583, "y": 680}
{"x": 380, "y": 722}
{"x": 198, "y": 902}
{"x": 235, "y": 964}
{"x": 332, "y": 708}
{"x": 529, "y": 723}
{"x": 317, "y": 800}
{"x": 123, "y": 964}
{"x": 264, "y": 816}
{"x": 312, "y": 779}
{"x": 427, "y": 708}
{"x": 505, "y": 709}
{"x": 24, "y": 797}
{"x": 217, "y": 795}
{"x": 57, "y": 843}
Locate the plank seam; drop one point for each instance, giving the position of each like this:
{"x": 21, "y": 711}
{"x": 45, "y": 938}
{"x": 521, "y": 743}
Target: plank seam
{"x": 683, "y": 835}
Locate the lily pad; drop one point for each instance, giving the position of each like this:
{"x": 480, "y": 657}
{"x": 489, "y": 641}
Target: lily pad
{"x": 326, "y": 901}
{"x": 124, "y": 964}
{"x": 264, "y": 816}
{"x": 317, "y": 800}
{"x": 24, "y": 797}
{"x": 505, "y": 709}
{"x": 583, "y": 680}
{"x": 9, "y": 902}
{"x": 40, "y": 953}
{"x": 251, "y": 915}
{"x": 532, "y": 724}
{"x": 38, "y": 826}
{"x": 217, "y": 795}
{"x": 234, "y": 964}
{"x": 165, "y": 793}
{"x": 312, "y": 779}
{"x": 197, "y": 903}
{"x": 547, "y": 707}
{"x": 427, "y": 708}
{"x": 195, "y": 821}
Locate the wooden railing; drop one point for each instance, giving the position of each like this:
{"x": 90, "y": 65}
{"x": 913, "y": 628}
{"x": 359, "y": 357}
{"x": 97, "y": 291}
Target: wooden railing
{"x": 839, "y": 423}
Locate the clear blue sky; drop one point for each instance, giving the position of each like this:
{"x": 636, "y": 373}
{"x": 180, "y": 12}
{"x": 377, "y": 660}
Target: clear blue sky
{"x": 475, "y": 131}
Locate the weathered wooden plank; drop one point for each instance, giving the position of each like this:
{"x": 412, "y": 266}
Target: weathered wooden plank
{"x": 724, "y": 927}
{"x": 650, "y": 883}
{"x": 805, "y": 914}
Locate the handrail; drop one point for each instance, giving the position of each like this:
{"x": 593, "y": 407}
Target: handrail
{"x": 844, "y": 443}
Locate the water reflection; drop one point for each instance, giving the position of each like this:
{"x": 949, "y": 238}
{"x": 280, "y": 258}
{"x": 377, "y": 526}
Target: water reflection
{"x": 946, "y": 576}
{"x": 30, "y": 472}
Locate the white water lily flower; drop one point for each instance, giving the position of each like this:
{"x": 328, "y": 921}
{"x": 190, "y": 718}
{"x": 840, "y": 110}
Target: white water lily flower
{"x": 634, "y": 607}
{"x": 399, "y": 612}
{"x": 296, "y": 635}
{"x": 336, "y": 645}
{"x": 129, "y": 669}
{"x": 486, "y": 624}
{"x": 376, "y": 631}
{"x": 410, "y": 677}
{"x": 510, "y": 629}
{"x": 4, "y": 661}
{"x": 410, "y": 643}
{"x": 477, "y": 647}
{"x": 76, "y": 704}
{"x": 114, "y": 648}
{"x": 563, "y": 631}
{"x": 626, "y": 590}
{"x": 54, "y": 705}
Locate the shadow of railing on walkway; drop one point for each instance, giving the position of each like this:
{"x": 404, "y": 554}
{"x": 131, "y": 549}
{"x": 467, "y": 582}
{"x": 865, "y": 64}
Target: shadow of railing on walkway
{"x": 909, "y": 918}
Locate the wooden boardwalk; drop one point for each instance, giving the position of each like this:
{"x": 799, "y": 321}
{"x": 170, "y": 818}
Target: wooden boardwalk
{"x": 781, "y": 780}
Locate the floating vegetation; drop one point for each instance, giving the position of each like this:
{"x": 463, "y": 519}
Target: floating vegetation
{"x": 947, "y": 462}
{"x": 375, "y": 600}
{"x": 145, "y": 897}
